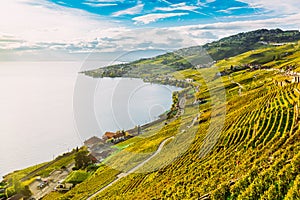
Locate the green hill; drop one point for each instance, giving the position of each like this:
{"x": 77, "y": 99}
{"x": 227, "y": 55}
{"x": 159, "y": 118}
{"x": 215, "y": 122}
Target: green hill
{"x": 257, "y": 155}
{"x": 191, "y": 57}
{"x": 243, "y": 42}
{"x": 242, "y": 141}
{"x": 236, "y": 136}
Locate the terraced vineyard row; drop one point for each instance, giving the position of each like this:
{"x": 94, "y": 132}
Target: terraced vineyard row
{"x": 252, "y": 154}
{"x": 257, "y": 157}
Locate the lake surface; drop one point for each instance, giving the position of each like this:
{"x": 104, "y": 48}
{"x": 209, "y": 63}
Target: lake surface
{"x": 47, "y": 108}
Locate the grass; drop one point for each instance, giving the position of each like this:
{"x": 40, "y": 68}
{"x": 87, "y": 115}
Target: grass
{"x": 242, "y": 145}
{"x": 42, "y": 169}
{"x": 26, "y": 176}
{"x": 250, "y": 152}
{"x": 277, "y": 57}
{"x": 19, "y": 174}
{"x": 77, "y": 176}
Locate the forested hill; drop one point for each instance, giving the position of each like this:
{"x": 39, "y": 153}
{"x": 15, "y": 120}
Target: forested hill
{"x": 243, "y": 42}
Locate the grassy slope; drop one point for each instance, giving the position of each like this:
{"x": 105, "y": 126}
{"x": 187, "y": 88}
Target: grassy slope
{"x": 260, "y": 141}
{"x": 257, "y": 154}
{"x": 276, "y": 57}
{"x": 164, "y": 65}
{"x": 243, "y": 42}
{"x": 28, "y": 175}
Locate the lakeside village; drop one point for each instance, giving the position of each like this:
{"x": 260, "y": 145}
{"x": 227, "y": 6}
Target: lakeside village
{"x": 72, "y": 168}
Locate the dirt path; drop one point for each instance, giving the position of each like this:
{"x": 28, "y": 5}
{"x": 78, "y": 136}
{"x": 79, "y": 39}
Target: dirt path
{"x": 122, "y": 175}
{"x": 240, "y": 87}
{"x": 194, "y": 120}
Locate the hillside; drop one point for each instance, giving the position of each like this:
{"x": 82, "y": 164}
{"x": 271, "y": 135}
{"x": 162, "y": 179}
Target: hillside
{"x": 198, "y": 56}
{"x": 241, "y": 140}
{"x": 233, "y": 134}
{"x": 243, "y": 42}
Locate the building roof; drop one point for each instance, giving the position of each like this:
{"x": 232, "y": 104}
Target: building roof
{"x": 16, "y": 197}
{"x": 93, "y": 140}
{"x": 119, "y": 135}
{"x": 109, "y": 135}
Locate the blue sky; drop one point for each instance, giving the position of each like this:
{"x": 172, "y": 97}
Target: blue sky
{"x": 64, "y": 29}
{"x": 162, "y": 12}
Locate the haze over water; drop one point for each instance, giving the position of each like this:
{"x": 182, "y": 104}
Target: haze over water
{"x": 37, "y": 109}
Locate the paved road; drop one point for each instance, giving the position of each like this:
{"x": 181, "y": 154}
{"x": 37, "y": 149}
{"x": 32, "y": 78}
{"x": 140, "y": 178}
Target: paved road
{"x": 181, "y": 104}
{"x": 55, "y": 176}
{"x": 122, "y": 175}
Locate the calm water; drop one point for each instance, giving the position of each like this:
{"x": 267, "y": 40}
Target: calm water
{"x": 47, "y": 108}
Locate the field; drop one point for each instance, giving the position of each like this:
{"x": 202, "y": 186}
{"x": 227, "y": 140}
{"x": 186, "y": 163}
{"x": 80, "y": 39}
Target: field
{"x": 241, "y": 142}
{"x": 233, "y": 131}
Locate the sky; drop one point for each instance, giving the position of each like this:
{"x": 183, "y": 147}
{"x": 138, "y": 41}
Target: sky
{"x": 71, "y": 29}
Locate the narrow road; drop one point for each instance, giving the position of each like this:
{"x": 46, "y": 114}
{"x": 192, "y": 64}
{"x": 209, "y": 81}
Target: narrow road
{"x": 286, "y": 72}
{"x": 240, "y": 87}
{"x": 181, "y": 106}
{"x": 55, "y": 176}
{"x": 194, "y": 120}
{"x": 122, "y": 175}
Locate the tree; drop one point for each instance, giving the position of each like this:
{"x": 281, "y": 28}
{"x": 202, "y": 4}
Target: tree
{"x": 18, "y": 188}
{"x": 82, "y": 160}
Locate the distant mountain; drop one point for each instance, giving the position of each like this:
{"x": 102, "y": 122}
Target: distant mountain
{"x": 195, "y": 56}
{"x": 243, "y": 42}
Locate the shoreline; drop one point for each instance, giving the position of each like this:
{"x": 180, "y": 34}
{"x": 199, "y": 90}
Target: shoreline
{"x": 133, "y": 130}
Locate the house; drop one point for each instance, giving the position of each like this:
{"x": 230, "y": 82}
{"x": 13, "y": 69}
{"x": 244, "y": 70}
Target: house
{"x": 16, "y": 197}
{"x": 189, "y": 80}
{"x": 116, "y": 137}
{"x": 100, "y": 156}
{"x": 119, "y": 136}
{"x": 92, "y": 141}
{"x": 63, "y": 187}
{"x": 108, "y": 136}
{"x": 92, "y": 158}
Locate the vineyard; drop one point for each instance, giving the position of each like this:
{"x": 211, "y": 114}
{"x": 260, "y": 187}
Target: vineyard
{"x": 245, "y": 146}
{"x": 233, "y": 131}
{"x": 257, "y": 155}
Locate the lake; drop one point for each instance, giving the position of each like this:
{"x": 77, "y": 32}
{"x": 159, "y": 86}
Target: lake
{"x": 47, "y": 108}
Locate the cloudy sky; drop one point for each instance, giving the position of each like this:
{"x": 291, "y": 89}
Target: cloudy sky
{"x": 64, "y": 29}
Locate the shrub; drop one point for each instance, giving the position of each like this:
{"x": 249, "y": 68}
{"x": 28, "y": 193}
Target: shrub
{"x": 10, "y": 192}
{"x": 77, "y": 177}
{"x": 92, "y": 168}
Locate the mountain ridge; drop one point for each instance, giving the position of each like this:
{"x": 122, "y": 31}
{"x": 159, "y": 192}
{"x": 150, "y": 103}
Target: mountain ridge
{"x": 204, "y": 55}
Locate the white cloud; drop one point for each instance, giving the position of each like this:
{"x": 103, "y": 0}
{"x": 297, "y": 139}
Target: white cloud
{"x": 130, "y": 11}
{"x": 34, "y": 26}
{"x": 277, "y": 6}
{"x": 41, "y": 21}
{"x": 229, "y": 10}
{"x": 146, "y": 19}
{"x": 103, "y": 1}
{"x": 204, "y": 2}
{"x": 210, "y": 1}
{"x": 165, "y": 1}
{"x": 96, "y": 5}
{"x": 174, "y": 7}
{"x": 224, "y": 29}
